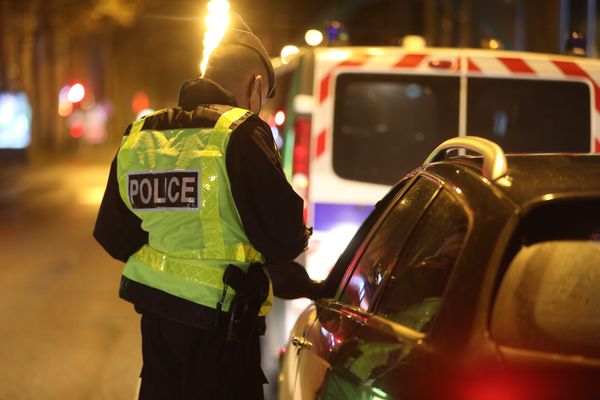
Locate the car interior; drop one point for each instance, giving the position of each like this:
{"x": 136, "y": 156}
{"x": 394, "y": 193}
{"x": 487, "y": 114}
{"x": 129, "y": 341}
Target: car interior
{"x": 546, "y": 297}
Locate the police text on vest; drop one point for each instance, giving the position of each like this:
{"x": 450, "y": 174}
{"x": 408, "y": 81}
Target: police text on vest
{"x": 163, "y": 190}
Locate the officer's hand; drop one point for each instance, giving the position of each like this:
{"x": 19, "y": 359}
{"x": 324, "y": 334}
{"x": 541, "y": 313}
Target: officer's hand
{"x": 291, "y": 281}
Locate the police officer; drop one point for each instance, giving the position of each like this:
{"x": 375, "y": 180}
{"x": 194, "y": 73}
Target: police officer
{"x": 194, "y": 190}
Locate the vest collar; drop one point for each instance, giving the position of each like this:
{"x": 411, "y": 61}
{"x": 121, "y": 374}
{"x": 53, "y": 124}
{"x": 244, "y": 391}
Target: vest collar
{"x": 196, "y": 92}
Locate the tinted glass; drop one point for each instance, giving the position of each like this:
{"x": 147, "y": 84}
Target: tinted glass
{"x": 386, "y": 243}
{"x": 386, "y": 125}
{"x": 548, "y": 299}
{"x": 530, "y": 115}
{"x": 414, "y": 291}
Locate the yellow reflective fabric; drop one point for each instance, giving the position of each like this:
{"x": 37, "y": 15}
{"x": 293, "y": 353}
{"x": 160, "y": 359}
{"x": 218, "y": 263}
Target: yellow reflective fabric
{"x": 229, "y": 117}
{"x": 190, "y": 268}
{"x": 209, "y": 196}
{"x": 190, "y": 272}
{"x": 137, "y": 125}
{"x": 209, "y": 184}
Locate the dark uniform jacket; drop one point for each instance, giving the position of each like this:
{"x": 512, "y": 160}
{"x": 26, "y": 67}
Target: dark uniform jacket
{"x": 270, "y": 210}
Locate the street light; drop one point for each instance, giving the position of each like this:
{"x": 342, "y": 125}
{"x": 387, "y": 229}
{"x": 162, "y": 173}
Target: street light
{"x": 287, "y": 52}
{"x": 76, "y": 93}
{"x": 313, "y": 37}
{"x": 216, "y": 22}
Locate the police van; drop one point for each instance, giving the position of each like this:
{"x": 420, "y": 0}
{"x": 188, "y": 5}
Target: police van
{"x": 351, "y": 121}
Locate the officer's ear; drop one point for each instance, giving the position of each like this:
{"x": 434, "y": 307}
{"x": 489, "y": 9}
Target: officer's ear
{"x": 256, "y": 99}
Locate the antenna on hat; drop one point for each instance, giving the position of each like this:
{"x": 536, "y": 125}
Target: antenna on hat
{"x": 216, "y": 21}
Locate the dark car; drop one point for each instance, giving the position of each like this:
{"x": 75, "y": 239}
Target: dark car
{"x": 475, "y": 278}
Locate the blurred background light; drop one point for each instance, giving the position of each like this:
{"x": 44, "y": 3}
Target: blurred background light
{"x": 313, "y": 37}
{"x": 413, "y": 42}
{"x": 65, "y": 108}
{"x": 279, "y": 118}
{"x": 144, "y": 112}
{"x": 76, "y": 93}
{"x": 287, "y": 52}
{"x": 15, "y": 120}
{"x": 77, "y": 128}
{"x": 216, "y": 21}
{"x": 140, "y": 102}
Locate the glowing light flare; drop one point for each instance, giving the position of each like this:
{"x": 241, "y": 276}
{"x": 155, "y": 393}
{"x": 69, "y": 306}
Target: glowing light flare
{"x": 144, "y": 112}
{"x": 279, "y": 118}
{"x": 413, "y": 42}
{"x": 76, "y": 93}
{"x": 8, "y": 109}
{"x": 77, "y": 129}
{"x": 494, "y": 44}
{"x": 15, "y": 120}
{"x": 326, "y": 246}
{"x": 89, "y": 102}
{"x": 140, "y": 101}
{"x": 300, "y": 182}
{"x": 375, "y": 51}
{"x": 313, "y": 37}
{"x": 91, "y": 196}
{"x": 216, "y": 21}
{"x": 63, "y": 94}
{"x": 65, "y": 108}
{"x": 287, "y": 52}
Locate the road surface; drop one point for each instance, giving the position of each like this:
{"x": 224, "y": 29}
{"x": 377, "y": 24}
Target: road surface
{"x": 64, "y": 332}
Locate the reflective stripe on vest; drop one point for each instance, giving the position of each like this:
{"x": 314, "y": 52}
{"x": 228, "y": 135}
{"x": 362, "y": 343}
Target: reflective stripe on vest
{"x": 168, "y": 263}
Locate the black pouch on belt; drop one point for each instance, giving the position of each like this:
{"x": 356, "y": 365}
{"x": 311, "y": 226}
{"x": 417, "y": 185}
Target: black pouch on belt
{"x": 252, "y": 288}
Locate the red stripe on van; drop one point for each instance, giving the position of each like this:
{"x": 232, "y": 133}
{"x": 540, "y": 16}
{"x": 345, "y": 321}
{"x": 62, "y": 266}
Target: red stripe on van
{"x": 569, "y": 68}
{"x": 324, "y": 88}
{"x": 472, "y": 66}
{"x": 516, "y": 65}
{"x": 410, "y": 61}
{"x": 321, "y": 142}
{"x": 458, "y": 64}
{"x": 326, "y": 81}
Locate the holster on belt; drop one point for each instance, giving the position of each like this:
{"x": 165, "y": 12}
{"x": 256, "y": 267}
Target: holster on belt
{"x": 251, "y": 290}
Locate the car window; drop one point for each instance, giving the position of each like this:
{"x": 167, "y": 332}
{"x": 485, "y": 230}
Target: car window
{"x": 414, "y": 291}
{"x": 549, "y": 299}
{"x": 386, "y": 243}
{"x": 547, "y": 296}
{"x": 334, "y": 279}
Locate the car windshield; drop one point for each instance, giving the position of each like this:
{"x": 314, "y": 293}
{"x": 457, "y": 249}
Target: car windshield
{"x": 386, "y": 124}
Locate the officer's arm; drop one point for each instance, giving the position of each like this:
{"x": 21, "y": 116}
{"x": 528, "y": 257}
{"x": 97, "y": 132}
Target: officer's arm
{"x": 270, "y": 210}
{"x": 117, "y": 229}
{"x": 291, "y": 281}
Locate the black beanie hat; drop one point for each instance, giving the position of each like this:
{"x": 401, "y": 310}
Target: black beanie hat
{"x": 239, "y": 33}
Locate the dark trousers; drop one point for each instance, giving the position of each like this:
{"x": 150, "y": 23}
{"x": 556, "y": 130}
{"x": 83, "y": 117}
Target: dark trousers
{"x": 182, "y": 362}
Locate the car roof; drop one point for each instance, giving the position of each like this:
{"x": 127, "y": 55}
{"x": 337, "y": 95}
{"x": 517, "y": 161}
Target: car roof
{"x": 535, "y": 175}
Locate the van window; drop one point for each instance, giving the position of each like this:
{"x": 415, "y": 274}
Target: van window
{"x": 523, "y": 115}
{"x": 387, "y": 124}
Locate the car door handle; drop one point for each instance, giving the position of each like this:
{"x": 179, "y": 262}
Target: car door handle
{"x": 301, "y": 343}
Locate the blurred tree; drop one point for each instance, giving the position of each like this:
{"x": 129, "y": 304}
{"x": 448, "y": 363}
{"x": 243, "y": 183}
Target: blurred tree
{"x": 45, "y": 44}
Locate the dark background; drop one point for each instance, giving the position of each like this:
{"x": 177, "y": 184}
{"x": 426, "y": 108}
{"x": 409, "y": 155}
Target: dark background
{"x": 119, "y": 47}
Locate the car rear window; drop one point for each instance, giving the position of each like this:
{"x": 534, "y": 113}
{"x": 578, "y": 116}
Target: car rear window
{"x": 386, "y": 124}
{"x": 548, "y": 298}
{"x": 526, "y": 116}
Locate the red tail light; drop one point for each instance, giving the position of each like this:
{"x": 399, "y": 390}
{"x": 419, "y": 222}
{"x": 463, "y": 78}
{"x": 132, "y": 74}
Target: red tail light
{"x": 498, "y": 387}
{"x": 532, "y": 381}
